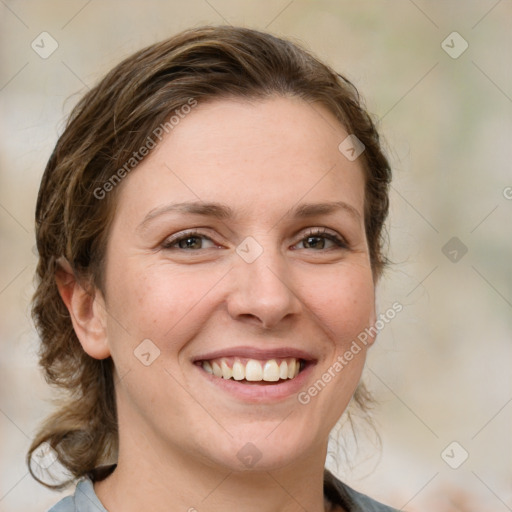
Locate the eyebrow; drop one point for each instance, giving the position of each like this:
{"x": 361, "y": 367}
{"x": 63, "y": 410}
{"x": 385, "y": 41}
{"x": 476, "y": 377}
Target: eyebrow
{"x": 224, "y": 212}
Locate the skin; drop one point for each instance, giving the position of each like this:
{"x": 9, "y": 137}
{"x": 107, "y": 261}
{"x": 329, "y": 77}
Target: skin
{"x": 179, "y": 431}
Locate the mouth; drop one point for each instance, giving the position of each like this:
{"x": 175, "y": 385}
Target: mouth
{"x": 254, "y": 371}
{"x": 256, "y": 375}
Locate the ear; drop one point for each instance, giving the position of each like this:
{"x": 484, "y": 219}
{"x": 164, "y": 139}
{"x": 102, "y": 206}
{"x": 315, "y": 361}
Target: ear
{"x": 373, "y": 321}
{"x": 86, "y": 309}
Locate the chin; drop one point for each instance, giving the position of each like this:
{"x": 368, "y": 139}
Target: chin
{"x": 260, "y": 449}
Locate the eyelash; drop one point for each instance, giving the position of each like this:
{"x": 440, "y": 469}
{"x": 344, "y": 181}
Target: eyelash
{"x": 315, "y": 232}
{"x": 322, "y": 233}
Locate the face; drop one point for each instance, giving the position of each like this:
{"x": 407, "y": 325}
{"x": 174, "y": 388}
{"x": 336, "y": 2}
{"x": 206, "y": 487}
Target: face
{"x": 262, "y": 272}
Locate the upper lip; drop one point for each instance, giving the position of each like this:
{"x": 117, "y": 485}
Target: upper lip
{"x": 257, "y": 353}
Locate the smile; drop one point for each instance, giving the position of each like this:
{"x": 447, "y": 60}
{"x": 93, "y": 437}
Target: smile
{"x": 254, "y": 370}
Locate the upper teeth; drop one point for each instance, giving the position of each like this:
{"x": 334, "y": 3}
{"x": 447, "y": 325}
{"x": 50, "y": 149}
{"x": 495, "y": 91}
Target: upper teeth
{"x": 253, "y": 370}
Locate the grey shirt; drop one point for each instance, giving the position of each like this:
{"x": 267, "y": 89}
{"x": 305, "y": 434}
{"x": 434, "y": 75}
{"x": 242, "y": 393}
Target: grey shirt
{"x": 84, "y": 498}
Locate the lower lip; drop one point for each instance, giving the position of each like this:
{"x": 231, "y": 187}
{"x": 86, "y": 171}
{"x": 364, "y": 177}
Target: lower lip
{"x": 260, "y": 393}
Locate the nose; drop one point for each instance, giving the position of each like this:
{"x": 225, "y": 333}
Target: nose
{"x": 263, "y": 291}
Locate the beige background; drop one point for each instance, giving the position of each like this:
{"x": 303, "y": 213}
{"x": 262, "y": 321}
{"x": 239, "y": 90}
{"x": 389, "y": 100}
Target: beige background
{"x": 441, "y": 368}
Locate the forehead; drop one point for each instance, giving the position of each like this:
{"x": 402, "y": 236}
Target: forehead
{"x": 252, "y": 155}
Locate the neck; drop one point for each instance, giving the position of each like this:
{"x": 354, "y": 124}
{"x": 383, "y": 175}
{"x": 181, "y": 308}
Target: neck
{"x": 157, "y": 478}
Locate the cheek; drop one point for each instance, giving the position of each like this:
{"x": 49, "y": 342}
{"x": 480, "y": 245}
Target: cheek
{"x": 169, "y": 307}
{"x": 157, "y": 303}
{"x": 344, "y": 303}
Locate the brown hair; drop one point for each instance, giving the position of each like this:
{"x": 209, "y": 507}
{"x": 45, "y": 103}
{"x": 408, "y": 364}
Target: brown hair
{"x": 108, "y": 125}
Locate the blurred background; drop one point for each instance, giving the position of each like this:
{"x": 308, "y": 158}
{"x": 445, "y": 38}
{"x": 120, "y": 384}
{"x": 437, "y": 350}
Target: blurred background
{"x": 437, "y": 77}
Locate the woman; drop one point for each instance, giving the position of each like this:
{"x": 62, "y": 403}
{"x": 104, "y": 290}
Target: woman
{"x": 209, "y": 231}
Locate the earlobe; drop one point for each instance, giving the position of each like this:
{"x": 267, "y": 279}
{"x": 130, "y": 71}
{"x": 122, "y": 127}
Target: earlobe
{"x": 86, "y": 309}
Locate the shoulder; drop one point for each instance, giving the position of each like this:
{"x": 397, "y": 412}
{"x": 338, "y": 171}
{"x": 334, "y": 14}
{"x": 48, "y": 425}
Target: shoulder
{"x": 84, "y": 499}
{"x": 67, "y": 504}
{"x": 341, "y": 494}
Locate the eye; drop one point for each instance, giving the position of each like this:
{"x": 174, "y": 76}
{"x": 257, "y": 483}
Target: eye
{"x": 189, "y": 241}
{"x": 318, "y": 238}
